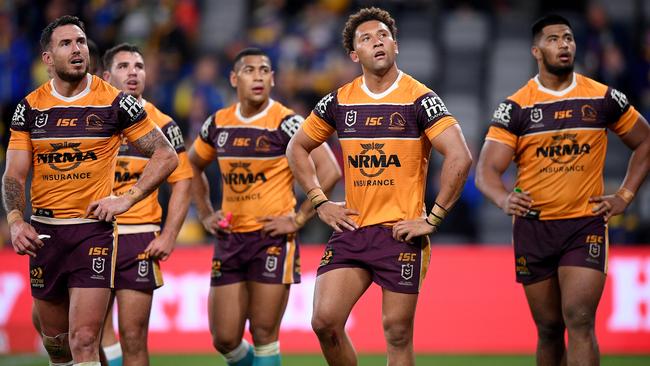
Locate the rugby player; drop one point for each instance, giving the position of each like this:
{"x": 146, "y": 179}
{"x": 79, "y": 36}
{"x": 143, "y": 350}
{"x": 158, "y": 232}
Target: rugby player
{"x": 67, "y": 132}
{"x": 387, "y": 123}
{"x": 555, "y": 129}
{"x": 256, "y": 254}
{"x": 141, "y": 243}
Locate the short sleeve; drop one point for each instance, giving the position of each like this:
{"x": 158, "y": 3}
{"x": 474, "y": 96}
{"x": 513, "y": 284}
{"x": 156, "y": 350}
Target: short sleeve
{"x": 316, "y": 128}
{"x": 620, "y": 115}
{"x": 289, "y": 125}
{"x": 20, "y": 138}
{"x": 505, "y": 123}
{"x": 326, "y": 109}
{"x": 204, "y": 145}
{"x": 174, "y": 135}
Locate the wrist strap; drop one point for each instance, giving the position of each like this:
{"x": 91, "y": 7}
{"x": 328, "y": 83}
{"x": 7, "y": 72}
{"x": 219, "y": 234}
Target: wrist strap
{"x": 625, "y": 194}
{"x": 437, "y": 214}
{"x": 317, "y": 197}
{"x": 300, "y": 219}
{"x": 13, "y": 216}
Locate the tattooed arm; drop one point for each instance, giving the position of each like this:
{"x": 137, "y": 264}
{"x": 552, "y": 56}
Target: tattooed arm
{"x": 23, "y": 236}
{"x": 162, "y": 162}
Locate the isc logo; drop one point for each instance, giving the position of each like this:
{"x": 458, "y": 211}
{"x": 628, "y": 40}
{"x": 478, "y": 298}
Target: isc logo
{"x": 98, "y": 251}
{"x": 407, "y": 257}
{"x": 374, "y": 121}
{"x": 241, "y": 141}
{"x": 564, "y": 114}
{"x": 66, "y": 122}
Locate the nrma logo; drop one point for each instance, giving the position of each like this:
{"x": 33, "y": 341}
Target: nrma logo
{"x": 563, "y": 149}
{"x": 54, "y": 159}
{"x": 240, "y": 178}
{"x": 372, "y": 161}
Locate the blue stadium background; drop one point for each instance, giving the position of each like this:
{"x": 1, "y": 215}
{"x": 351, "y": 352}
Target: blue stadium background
{"x": 472, "y": 53}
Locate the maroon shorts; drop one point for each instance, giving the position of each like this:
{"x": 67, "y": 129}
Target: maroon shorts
{"x": 134, "y": 269}
{"x": 541, "y": 246}
{"x": 78, "y": 255}
{"x": 395, "y": 266}
{"x": 249, "y": 256}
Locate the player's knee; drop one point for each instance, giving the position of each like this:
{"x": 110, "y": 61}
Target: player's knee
{"x": 263, "y": 334}
{"x": 579, "y": 318}
{"x": 398, "y": 334}
{"x": 84, "y": 340}
{"x": 224, "y": 344}
{"x": 133, "y": 340}
{"x": 58, "y": 347}
{"x": 324, "y": 327}
{"x": 550, "y": 331}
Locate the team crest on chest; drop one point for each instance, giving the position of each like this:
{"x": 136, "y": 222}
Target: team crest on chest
{"x": 350, "y": 118}
{"x": 41, "y": 120}
{"x": 222, "y": 138}
{"x": 536, "y": 115}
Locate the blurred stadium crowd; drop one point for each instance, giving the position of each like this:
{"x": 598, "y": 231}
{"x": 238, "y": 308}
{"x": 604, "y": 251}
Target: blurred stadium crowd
{"x": 472, "y": 53}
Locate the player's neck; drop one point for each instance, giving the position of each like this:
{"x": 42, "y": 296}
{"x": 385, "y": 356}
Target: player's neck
{"x": 70, "y": 89}
{"x": 379, "y": 82}
{"x": 249, "y": 108}
{"x": 554, "y": 82}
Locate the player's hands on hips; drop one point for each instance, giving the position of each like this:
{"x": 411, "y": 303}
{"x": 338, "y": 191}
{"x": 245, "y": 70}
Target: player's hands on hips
{"x": 517, "y": 203}
{"x": 24, "y": 238}
{"x": 608, "y": 206}
{"x": 211, "y": 223}
{"x": 108, "y": 207}
{"x": 406, "y": 230}
{"x": 336, "y": 215}
{"x": 161, "y": 247}
{"x": 278, "y": 225}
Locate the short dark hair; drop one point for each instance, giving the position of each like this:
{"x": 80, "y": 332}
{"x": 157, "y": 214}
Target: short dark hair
{"x": 546, "y": 20}
{"x": 250, "y": 51}
{"x": 46, "y": 34}
{"x": 95, "y": 57}
{"x": 109, "y": 55}
{"x": 363, "y": 16}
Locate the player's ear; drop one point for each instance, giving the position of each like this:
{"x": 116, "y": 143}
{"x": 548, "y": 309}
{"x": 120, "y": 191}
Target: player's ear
{"x": 106, "y": 76}
{"x": 272, "y": 78}
{"x": 534, "y": 50}
{"x": 46, "y": 56}
{"x": 233, "y": 79}
{"x": 354, "y": 57}
{"x": 396, "y": 48}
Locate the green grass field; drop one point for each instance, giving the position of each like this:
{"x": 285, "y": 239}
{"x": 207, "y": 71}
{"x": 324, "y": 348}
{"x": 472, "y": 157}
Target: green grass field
{"x": 365, "y": 360}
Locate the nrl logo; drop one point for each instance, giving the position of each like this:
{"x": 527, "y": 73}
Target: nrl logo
{"x": 350, "y": 118}
{"x": 221, "y": 140}
{"x": 143, "y": 268}
{"x": 407, "y": 271}
{"x": 98, "y": 265}
{"x": 271, "y": 263}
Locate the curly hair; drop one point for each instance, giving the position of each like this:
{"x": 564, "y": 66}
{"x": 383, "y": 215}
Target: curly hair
{"x": 363, "y": 16}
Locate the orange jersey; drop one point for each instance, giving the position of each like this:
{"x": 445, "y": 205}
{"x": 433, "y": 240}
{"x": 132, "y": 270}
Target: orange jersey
{"x": 131, "y": 163}
{"x": 386, "y": 145}
{"x": 255, "y": 173}
{"x": 74, "y": 143}
{"x": 560, "y": 140}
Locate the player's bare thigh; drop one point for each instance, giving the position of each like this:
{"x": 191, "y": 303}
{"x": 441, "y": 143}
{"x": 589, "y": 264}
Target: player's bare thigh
{"x": 227, "y": 311}
{"x": 266, "y": 308}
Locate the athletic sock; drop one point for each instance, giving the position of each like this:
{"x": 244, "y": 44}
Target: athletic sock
{"x": 240, "y": 356}
{"x": 267, "y": 355}
{"x": 113, "y": 354}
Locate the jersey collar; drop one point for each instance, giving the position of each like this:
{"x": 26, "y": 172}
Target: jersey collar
{"x": 83, "y": 93}
{"x": 385, "y": 92}
{"x": 253, "y": 117}
{"x": 557, "y": 93}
